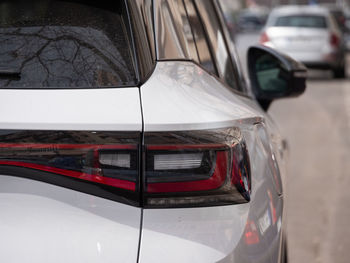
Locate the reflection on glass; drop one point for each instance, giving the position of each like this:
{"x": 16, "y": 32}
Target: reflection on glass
{"x": 270, "y": 74}
{"x": 218, "y": 46}
{"x": 60, "y": 44}
{"x": 205, "y": 58}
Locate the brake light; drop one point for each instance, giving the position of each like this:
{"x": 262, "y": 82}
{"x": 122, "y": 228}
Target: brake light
{"x": 264, "y": 38}
{"x": 96, "y": 162}
{"x": 181, "y": 169}
{"x": 334, "y": 40}
{"x": 196, "y": 169}
{"x": 69, "y": 160}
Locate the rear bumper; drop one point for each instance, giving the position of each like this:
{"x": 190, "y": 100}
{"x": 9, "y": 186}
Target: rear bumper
{"x": 318, "y": 60}
{"x": 318, "y": 65}
{"x": 41, "y": 223}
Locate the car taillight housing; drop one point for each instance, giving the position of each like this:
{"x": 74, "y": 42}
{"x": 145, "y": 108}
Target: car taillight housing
{"x": 264, "y": 38}
{"x": 334, "y": 40}
{"x": 105, "y": 164}
{"x": 200, "y": 168}
{"x": 179, "y": 169}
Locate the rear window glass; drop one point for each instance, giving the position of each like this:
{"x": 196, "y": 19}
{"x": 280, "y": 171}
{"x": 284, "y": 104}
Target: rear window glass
{"x": 58, "y": 44}
{"x": 302, "y": 21}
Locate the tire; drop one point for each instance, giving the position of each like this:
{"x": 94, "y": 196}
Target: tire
{"x": 340, "y": 73}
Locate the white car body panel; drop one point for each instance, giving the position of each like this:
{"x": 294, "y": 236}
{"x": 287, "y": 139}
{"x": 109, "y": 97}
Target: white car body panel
{"x": 181, "y": 96}
{"x": 192, "y": 235}
{"x": 108, "y": 231}
{"x": 71, "y": 109}
{"x": 41, "y": 222}
{"x": 47, "y": 223}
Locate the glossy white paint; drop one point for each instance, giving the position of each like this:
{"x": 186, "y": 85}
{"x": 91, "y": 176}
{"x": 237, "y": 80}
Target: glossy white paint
{"x": 46, "y": 223}
{"x": 43, "y": 220}
{"x": 76, "y": 109}
{"x": 40, "y": 222}
{"x": 182, "y": 96}
{"x": 193, "y": 234}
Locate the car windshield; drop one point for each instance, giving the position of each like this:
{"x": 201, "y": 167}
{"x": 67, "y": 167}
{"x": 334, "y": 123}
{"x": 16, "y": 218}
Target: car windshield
{"x": 312, "y": 21}
{"x": 56, "y": 44}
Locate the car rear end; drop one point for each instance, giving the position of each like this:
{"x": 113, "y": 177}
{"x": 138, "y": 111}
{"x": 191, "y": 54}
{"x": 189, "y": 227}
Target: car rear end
{"x": 102, "y": 163}
{"x": 308, "y": 34}
{"x": 70, "y": 133}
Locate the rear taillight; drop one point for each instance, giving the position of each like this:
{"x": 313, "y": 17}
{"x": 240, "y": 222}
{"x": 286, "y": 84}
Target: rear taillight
{"x": 196, "y": 169}
{"x": 180, "y": 169}
{"x": 334, "y": 40}
{"x": 100, "y": 163}
{"x": 264, "y": 38}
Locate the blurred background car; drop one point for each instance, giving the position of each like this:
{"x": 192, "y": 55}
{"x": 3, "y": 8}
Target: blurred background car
{"x": 309, "y": 34}
{"x": 252, "y": 19}
{"x": 342, "y": 17}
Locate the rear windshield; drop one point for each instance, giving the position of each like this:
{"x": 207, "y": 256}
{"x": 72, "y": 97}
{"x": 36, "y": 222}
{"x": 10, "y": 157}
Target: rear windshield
{"x": 64, "y": 44}
{"x": 311, "y": 21}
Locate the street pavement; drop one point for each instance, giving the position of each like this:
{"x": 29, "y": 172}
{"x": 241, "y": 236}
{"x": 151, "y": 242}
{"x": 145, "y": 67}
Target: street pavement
{"x": 317, "y": 127}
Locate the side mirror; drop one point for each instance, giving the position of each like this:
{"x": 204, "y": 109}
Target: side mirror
{"x": 274, "y": 75}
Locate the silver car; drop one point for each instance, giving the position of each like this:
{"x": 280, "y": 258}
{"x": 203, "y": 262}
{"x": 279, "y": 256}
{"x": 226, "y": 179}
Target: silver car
{"x": 309, "y": 34}
{"x": 128, "y": 134}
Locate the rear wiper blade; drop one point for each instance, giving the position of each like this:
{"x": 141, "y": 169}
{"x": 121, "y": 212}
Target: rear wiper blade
{"x": 10, "y": 73}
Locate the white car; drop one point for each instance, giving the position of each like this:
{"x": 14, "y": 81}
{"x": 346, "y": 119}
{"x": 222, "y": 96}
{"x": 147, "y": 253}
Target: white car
{"x": 128, "y": 134}
{"x": 309, "y": 34}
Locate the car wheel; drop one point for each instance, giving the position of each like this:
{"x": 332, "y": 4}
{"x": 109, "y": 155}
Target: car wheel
{"x": 340, "y": 73}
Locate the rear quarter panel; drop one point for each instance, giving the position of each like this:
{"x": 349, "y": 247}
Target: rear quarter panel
{"x": 181, "y": 96}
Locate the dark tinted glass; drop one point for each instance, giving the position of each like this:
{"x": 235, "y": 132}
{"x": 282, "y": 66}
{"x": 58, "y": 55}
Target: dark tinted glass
{"x": 271, "y": 75}
{"x": 302, "y": 21}
{"x": 217, "y": 42}
{"x": 204, "y": 55}
{"x": 57, "y": 44}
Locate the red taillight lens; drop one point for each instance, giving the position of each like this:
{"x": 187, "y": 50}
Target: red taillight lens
{"x": 334, "y": 40}
{"x": 196, "y": 169}
{"x": 264, "y": 38}
{"x": 99, "y": 162}
{"x": 181, "y": 169}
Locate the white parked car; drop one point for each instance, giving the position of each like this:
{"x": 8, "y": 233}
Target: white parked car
{"x": 128, "y": 134}
{"x": 309, "y": 34}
